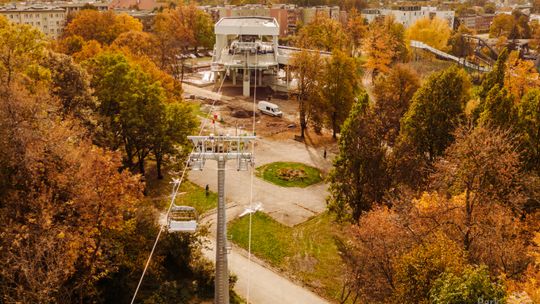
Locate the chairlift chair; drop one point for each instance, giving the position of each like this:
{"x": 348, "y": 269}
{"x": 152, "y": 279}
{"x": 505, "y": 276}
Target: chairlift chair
{"x": 182, "y": 219}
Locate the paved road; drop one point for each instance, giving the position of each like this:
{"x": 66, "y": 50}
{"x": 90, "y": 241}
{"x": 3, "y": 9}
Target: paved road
{"x": 289, "y": 206}
{"x": 266, "y": 286}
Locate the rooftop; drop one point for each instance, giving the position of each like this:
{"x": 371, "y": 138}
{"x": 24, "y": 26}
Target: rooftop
{"x": 247, "y": 26}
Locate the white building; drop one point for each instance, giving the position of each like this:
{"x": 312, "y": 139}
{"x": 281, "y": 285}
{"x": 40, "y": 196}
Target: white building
{"x": 50, "y": 20}
{"x": 408, "y": 15}
{"x": 245, "y": 47}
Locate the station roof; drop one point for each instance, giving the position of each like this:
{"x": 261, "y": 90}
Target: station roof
{"x": 247, "y": 26}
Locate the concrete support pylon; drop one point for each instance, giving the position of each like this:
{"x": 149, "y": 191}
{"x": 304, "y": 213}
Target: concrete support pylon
{"x": 222, "y": 272}
{"x": 246, "y": 84}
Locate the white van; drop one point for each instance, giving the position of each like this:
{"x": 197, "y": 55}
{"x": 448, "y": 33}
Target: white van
{"x": 269, "y": 108}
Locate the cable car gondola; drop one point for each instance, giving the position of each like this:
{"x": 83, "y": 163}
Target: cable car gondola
{"x": 182, "y": 219}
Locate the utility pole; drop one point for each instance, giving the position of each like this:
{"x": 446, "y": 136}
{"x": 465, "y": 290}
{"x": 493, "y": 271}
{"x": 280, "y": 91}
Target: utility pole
{"x": 221, "y": 148}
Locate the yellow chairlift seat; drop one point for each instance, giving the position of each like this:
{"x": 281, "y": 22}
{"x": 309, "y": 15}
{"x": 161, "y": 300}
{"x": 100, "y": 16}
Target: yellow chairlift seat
{"x": 182, "y": 219}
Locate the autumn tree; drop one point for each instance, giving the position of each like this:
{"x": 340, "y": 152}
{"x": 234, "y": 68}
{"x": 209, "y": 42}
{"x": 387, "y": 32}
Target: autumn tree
{"x": 484, "y": 167}
{"x": 133, "y": 111}
{"x": 378, "y": 241}
{"x": 459, "y": 45}
{"x": 521, "y": 75}
{"x": 89, "y": 49}
{"x": 514, "y": 26}
{"x": 534, "y": 43}
{"x": 502, "y": 25}
{"x": 341, "y": 83}
{"x": 21, "y": 46}
{"x": 307, "y": 68}
{"x": 71, "y": 84}
{"x": 60, "y": 197}
{"x": 384, "y": 45}
{"x": 496, "y": 76}
{"x": 498, "y": 109}
{"x": 447, "y": 245}
{"x": 356, "y": 29}
{"x": 103, "y": 27}
{"x": 358, "y": 179}
{"x": 433, "y": 32}
{"x": 418, "y": 269}
{"x": 473, "y": 285}
{"x": 529, "y": 126}
{"x": 393, "y": 93}
{"x": 436, "y": 110}
{"x": 323, "y": 33}
{"x": 136, "y": 42}
{"x": 176, "y": 31}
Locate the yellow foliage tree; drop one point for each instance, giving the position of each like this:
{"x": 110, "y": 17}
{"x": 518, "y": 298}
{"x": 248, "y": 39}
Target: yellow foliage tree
{"x": 433, "y": 32}
{"x": 89, "y": 50}
{"x": 103, "y": 27}
{"x": 520, "y": 76}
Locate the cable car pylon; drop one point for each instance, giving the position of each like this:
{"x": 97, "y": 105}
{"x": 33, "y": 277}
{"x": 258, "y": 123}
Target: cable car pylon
{"x": 221, "y": 148}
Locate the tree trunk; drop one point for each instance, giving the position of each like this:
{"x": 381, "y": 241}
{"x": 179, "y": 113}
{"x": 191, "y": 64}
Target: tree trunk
{"x": 158, "y": 165}
{"x": 303, "y": 123}
{"x": 141, "y": 165}
{"x": 468, "y": 220}
{"x": 334, "y": 125}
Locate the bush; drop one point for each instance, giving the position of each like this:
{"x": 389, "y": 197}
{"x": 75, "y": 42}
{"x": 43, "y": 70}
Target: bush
{"x": 473, "y": 286}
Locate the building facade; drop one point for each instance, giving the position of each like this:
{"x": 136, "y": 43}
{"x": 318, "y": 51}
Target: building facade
{"x": 288, "y": 16}
{"x": 409, "y": 14}
{"x": 50, "y": 20}
{"x": 478, "y": 23}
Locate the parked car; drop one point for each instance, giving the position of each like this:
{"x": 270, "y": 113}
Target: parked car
{"x": 269, "y": 108}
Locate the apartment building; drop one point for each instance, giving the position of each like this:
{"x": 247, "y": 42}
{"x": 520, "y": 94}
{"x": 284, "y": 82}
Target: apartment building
{"x": 50, "y": 20}
{"x": 478, "y": 23}
{"x": 310, "y": 13}
{"x": 409, "y": 14}
{"x": 288, "y": 16}
{"x": 73, "y": 7}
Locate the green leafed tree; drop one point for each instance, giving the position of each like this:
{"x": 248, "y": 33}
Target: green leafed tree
{"x": 499, "y": 110}
{"x": 21, "y": 47}
{"x": 417, "y": 270}
{"x": 495, "y": 76}
{"x": 307, "y": 68}
{"x": 71, "y": 84}
{"x": 436, "y": 110}
{"x": 472, "y": 286}
{"x": 341, "y": 85}
{"x": 133, "y": 111}
{"x": 529, "y": 120}
{"x": 393, "y": 93}
{"x": 359, "y": 177}
{"x": 170, "y": 135}
{"x": 323, "y": 33}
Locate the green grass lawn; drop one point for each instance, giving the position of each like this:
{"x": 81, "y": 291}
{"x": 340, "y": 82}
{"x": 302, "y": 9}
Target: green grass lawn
{"x": 195, "y": 196}
{"x": 283, "y": 174}
{"x": 272, "y": 237}
{"x": 159, "y": 190}
{"x": 308, "y": 251}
